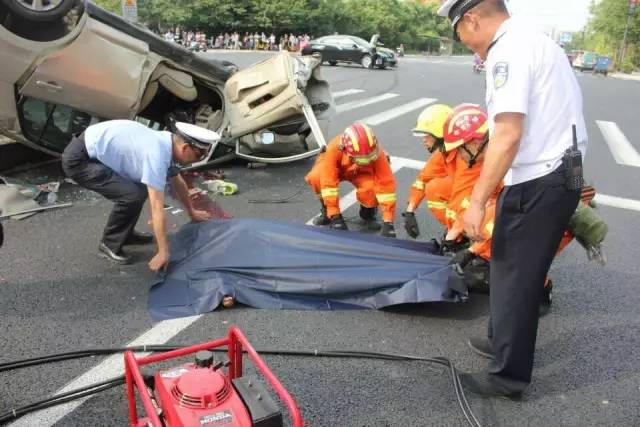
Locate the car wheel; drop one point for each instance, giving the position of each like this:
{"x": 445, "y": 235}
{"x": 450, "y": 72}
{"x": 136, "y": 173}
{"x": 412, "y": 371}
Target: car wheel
{"x": 365, "y": 61}
{"x": 333, "y": 63}
{"x": 41, "y": 10}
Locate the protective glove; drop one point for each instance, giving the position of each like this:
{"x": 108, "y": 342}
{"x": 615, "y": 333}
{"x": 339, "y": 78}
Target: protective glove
{"x": 388, "y": 230}
{"x": 462, "y": 258}
{"x": 337, "y": 223}
{"x": 410, "y": 224}
{"x": 451, "y": 247}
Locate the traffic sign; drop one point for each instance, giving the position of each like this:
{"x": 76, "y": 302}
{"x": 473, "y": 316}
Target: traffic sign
{"x": 130, "y": 10}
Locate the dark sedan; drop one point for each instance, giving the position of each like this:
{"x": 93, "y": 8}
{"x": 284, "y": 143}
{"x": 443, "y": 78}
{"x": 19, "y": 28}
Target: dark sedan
{"x": 350, "y": 49}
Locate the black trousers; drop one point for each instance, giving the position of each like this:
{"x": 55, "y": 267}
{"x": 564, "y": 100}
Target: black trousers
{"x": 530, "y": 220}
{"x": 129, "y": 196}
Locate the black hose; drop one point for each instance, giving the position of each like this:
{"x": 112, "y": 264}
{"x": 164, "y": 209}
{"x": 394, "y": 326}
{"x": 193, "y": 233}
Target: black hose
{"x": 283, "y": 200}
{"x": 61, "y": 398}
{"x": 98, "y": 387}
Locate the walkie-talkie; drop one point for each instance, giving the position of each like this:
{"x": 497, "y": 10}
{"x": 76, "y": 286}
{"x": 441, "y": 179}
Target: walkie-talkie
{"x": 572, "y": 161}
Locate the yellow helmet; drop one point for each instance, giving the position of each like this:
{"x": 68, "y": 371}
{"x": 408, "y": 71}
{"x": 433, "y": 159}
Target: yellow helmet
{"x": 432, "y": 120}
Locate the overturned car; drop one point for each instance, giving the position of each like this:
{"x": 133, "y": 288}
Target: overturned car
{"x": 89, "y": 65}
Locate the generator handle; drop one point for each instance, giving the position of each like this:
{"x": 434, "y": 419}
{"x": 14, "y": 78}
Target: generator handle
{"x": 134, "y": 377}
{"x": 236, "y": 336}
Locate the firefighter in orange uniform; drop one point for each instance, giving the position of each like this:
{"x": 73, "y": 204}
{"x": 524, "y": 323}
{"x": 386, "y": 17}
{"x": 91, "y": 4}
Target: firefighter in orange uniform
{"x": 436, "y": 178}
{"x": 357, "y": 157}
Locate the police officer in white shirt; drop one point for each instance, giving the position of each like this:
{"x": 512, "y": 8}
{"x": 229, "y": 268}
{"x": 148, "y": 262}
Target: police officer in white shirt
{"x": 535, "y": 108}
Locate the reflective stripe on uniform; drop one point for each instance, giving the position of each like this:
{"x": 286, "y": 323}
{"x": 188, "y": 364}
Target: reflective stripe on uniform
{"x": 489, "y": 227}
{"x": 437, "y": 205}
{"x": 386, "y": 198}
{"x": 451, "y": 214}
{"x": 465, "y": 203}
{"x": 418, "y": 185}
{"x": 329, "y": 192}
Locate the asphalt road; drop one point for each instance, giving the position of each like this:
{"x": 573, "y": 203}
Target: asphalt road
{"x": 57, "y": 295}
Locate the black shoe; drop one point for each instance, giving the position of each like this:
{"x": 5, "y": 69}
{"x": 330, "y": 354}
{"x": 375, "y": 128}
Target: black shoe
{"x": 120, "y": 258}
{"x": 321, "y": 220}
{"x": 368, "y": 214}
{"x": 481, "y": 385}
{"x": 139, "y": 238}
{"x": 545, "y": 302}
{"x": 481, "y": 346}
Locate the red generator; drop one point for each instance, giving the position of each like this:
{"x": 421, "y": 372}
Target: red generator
{"x": 206, "y": 393}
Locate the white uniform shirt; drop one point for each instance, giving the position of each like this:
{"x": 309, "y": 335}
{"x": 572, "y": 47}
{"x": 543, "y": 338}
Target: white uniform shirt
{"x": 528, "y": 73}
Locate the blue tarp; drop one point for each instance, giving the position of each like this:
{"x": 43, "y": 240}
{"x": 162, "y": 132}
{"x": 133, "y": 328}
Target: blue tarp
{"x": 277, "y": 265}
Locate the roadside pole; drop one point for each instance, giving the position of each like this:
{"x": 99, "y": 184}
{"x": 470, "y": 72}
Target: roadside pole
{"x": 623, "y": 49}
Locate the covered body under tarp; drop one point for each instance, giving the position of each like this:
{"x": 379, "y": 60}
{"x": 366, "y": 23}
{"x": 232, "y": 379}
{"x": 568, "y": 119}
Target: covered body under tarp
{"x": 277, "y": 265}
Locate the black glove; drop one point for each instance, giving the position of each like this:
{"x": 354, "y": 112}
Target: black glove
{"x": 462, "y": 258}
{"x": 410, "y": 224}
{"x": 388, "y": 230}
{"x": 337, "y": 223}
{"x": 452, "y": 247}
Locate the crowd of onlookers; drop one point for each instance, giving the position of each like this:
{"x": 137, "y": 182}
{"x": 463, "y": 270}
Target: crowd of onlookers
{"x": 236, "y": 40}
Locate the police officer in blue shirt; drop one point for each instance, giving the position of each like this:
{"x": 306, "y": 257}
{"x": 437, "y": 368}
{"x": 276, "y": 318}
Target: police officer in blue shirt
{"x": 126, "y": 162}
{"x": 537, "y": 139}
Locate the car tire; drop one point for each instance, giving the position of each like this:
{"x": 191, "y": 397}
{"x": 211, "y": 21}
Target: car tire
{"x": 333, "y": 63}
{"x": 27, "y": 9}
{"x": 365, "y": 61}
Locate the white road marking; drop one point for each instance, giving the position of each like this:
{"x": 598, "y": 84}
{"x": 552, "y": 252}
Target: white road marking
{"x": 112, "y": 366}
{"x": 341, "y": 108}
{"x": 602, "y": 199}
{"x": 623, "y": 152}
{"x": 618, "y": 202}
{"x": 347, "y": 92}
{"x": 401, "y": 110}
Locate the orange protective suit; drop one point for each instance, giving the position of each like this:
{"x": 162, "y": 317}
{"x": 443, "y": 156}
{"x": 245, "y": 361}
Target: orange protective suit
{"x": 375, "y": 183}
{"x": 435, "y": 183}
{"x": 463, "y": 182}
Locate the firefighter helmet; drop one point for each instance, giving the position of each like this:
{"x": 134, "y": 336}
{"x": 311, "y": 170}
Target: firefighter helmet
{"x": 466, "y": 123}
{"x": 432, "y": 119}
{"x": 360, "y": 143}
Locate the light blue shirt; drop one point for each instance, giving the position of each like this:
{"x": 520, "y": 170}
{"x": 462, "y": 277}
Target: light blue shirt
{"x": 132, "y": 150}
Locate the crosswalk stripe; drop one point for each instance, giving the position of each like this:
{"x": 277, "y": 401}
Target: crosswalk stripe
{"x": 391, "y": 114}
{"x": 347, "y": 92}
{"x": 623, "y": 152}
{"x": 617, "y": 202}
{"x": 341, "y": 108}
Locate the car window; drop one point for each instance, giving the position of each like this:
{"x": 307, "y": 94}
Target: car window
{"x": 51, "y": 125}
{"x": 362, "y": 42}
{"x": 346, "y": 42}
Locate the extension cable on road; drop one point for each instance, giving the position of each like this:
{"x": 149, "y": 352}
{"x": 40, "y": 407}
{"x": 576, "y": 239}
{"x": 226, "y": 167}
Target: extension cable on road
{"x": 114, "y": 382}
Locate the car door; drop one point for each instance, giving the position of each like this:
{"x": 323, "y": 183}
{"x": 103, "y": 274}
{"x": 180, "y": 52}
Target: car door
{"x": 330, "y": 51}
{"x": 102, "y": 72}
{"x": 348, "y": 49}
{"x": 273, "y": 91}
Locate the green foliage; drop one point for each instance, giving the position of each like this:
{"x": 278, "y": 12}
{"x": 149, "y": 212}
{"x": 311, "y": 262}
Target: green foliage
{"x": 397, "y": 21}
{"x": 605, "y": 31}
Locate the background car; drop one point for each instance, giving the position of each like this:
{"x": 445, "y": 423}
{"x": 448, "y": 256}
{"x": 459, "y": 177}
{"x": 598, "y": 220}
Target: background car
{"x": 350, "y": 49}
{"x": 94, "y": 65}
{"x": 584, "y": 60}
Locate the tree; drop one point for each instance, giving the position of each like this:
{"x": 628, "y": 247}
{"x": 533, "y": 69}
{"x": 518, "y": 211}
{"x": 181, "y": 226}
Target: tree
{"x": 605, "y": 31}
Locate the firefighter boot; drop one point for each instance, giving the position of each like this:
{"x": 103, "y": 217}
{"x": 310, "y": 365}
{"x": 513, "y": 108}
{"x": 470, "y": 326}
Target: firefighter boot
{"x": 368, "y": 216}
{"x": 322, "y": 219}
